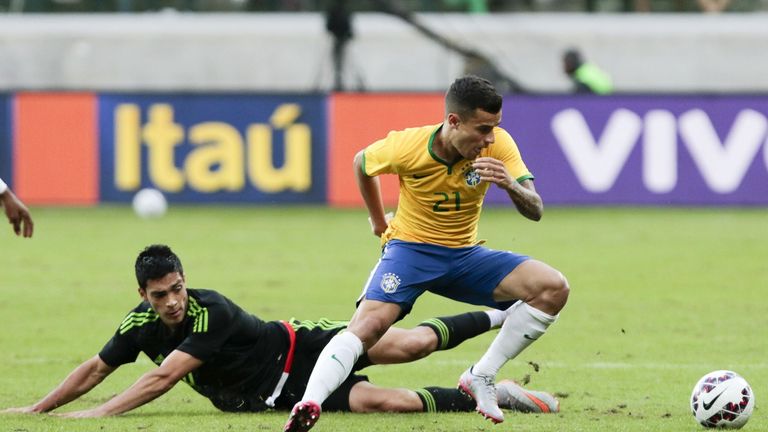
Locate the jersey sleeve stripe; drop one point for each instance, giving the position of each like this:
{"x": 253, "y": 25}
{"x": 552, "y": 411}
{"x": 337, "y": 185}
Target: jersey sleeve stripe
{"x": 200, "y": 314}
{"x": 137, "y": 319}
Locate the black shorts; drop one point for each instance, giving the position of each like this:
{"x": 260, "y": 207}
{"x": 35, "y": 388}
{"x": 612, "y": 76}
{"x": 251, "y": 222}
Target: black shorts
{"x": 311, "y": 338}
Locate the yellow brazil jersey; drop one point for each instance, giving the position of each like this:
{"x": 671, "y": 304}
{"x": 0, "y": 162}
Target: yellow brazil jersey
{"x": 440, "y": 201}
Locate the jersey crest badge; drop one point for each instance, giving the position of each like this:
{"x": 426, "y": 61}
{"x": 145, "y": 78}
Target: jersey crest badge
{"x": 390, "y": 282}
{"x": 472, "y": 178}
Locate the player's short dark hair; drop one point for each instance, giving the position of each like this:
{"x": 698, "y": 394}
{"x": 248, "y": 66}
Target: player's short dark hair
{"x": 154, "y": 262}
{"x": 469, "y": 93}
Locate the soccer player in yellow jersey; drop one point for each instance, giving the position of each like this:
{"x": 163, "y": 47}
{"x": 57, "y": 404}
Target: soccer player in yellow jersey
{"x": 431, "y": 244}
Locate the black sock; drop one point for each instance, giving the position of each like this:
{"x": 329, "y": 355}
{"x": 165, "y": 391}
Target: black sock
{"x": 455, "y": 329}
{"x": 436, "y": 399}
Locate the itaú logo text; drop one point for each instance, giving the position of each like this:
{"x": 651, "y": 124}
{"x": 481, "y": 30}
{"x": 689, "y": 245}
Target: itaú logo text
{"x": 216, "y": 156}
{"x": 722, "y": 164}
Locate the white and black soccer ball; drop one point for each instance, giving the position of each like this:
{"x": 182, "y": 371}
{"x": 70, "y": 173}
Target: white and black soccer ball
{"x": 149, "y": 203}
{"x": 722, "y": 399}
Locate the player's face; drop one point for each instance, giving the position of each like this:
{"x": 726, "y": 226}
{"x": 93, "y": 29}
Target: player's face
{"x": 168, "y": 297}
{"x": 473, "y": 134}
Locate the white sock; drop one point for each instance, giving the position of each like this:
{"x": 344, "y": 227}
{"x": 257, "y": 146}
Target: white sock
{"x": 333, "y": 366}
{"x": 523, "y": 325}
{"x": 497, "y": 317}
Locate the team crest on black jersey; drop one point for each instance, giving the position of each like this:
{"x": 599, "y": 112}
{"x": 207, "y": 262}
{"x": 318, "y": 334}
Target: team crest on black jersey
{"x": 472, "y": 178}
{"x": 390, "y": 282}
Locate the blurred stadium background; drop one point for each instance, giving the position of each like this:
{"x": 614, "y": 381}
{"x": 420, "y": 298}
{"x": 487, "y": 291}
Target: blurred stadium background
{"x": 246, "y": 114}
{"x": 267, "y": 101}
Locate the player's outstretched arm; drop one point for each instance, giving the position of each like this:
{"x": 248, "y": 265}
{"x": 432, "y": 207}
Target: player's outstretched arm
{"x": 17, "y": 213}
{"x": 370, "y": 190}
{"x": 79, "y": 382}
{"x": 150, "y": 386}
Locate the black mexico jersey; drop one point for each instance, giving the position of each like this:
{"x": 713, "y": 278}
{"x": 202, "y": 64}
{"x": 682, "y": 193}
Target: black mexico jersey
{"x": 243, "y": 356}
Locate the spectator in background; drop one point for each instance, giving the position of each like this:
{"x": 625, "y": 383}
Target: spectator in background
{"x": 16, "y": 212}
{"x": 586, "y": 77}
{"x": 338, "y": 22}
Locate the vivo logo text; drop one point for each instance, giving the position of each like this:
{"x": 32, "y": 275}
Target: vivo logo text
{"x": 598, "y": 160}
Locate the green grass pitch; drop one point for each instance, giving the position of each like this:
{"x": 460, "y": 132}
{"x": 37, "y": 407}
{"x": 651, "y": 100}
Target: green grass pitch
{"x": 659, "y": 298}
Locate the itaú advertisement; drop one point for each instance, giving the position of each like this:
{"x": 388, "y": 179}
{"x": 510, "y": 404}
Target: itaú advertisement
{"x": 657, "y": 150}
{"x": 214, "y": 148}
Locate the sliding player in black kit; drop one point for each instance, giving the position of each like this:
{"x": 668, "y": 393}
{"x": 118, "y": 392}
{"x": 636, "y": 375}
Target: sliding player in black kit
{"x": 244, "y": 364}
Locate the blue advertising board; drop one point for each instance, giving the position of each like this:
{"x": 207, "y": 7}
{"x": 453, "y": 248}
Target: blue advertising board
{"x": 6, "y": 142}
{"x": 214, "y": 147}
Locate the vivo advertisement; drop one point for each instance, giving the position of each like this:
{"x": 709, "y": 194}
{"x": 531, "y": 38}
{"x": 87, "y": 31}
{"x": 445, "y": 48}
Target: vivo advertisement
{"x": 218, "y": 148}
{"x": 643, "y": 149}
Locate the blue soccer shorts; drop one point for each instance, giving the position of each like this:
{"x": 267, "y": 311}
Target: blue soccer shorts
{"x": 468, "y": 274}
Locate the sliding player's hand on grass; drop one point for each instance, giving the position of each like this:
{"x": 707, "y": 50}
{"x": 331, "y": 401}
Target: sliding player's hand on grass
{"x": 80, "y": 414}
{"x": 19, "y": 410}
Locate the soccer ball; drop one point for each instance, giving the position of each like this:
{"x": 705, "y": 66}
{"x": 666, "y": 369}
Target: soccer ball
{"x": 722, "y": 399}
{"x": 149, "y": 203}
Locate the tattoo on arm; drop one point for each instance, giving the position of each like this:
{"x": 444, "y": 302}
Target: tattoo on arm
{"x": 527, "y": 200}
